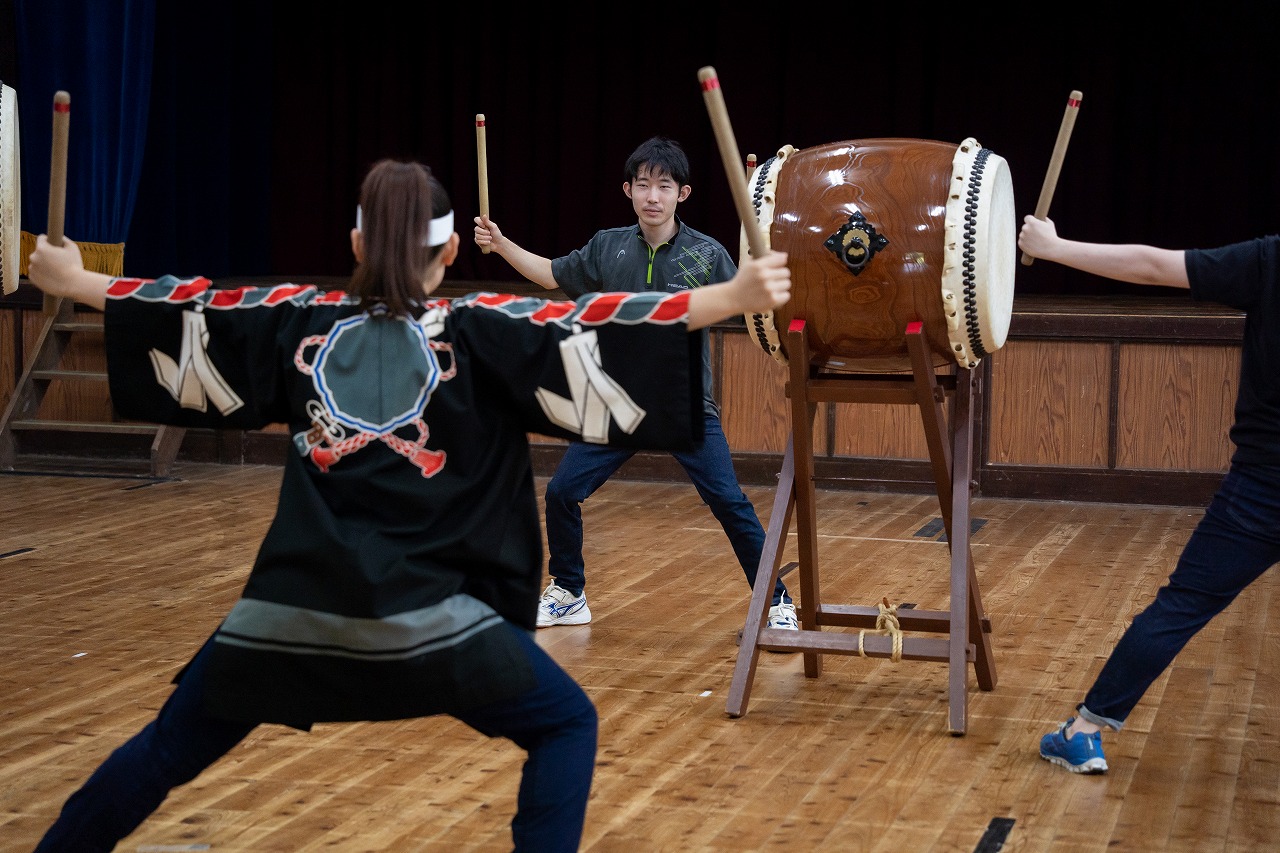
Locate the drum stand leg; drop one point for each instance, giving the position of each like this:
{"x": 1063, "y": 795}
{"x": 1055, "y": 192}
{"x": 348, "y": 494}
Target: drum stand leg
{"x": 967, "y": 628}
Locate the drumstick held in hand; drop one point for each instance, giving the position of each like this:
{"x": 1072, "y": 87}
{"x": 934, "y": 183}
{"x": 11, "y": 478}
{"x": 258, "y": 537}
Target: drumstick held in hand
{"x": 58, "y": 179}
{"x": 729, "y": 154}
{"x": 482, "y": 157}
{"x": 1055, "y": 162}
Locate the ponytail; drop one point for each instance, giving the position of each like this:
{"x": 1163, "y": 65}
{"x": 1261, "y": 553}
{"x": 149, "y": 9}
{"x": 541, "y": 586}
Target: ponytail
{"x": 398, "y": 201}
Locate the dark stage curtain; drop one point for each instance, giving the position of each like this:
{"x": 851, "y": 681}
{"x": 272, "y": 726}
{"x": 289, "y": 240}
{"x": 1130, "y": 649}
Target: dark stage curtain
{"x": 205, "y": 194}
{"x": 1172, "y": 144}
{"x": 100, "y": 54}
{"x": 265, "y": 115}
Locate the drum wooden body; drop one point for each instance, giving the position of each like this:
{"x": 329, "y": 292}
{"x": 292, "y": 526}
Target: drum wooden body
{"x": 881, "y": 233}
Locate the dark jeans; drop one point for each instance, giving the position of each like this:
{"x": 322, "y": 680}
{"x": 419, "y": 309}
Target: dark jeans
{"x": 1237, "y": 540}
{"x": 554, "y": 722}
{"x": 585, "y": 468}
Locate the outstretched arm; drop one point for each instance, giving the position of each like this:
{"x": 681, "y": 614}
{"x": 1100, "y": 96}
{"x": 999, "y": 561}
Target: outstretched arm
{"x": 59, "y": 271}
{"x": 1131, "y": 262}
{"x": 761, "y": 284}
{"x": 533, "y": 267}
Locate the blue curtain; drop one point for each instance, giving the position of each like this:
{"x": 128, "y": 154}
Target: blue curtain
{"x": 100, "y": 53}
{"x": 205, "y": 191}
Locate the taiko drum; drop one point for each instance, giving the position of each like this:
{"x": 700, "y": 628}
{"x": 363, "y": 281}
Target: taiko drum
{"x": 881, "y": 233}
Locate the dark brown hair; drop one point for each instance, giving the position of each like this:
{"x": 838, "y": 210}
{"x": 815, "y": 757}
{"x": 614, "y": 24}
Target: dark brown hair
{"x": 659, "y": 156}
{"x": 398, "y": 200}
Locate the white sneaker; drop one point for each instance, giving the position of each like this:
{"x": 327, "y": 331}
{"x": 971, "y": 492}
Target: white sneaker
{"x": 780, "y": 616}
{"x": 560, "y": 607}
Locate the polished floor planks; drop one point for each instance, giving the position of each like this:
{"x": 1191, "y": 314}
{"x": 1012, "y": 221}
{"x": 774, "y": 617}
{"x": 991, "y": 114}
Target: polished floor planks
{"x": 123, "y": 580}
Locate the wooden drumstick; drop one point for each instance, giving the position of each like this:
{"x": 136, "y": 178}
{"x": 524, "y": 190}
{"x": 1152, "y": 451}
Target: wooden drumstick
{"x": 1055, "y": 162}
{"x": 482, "y": 158}
{"x": 729, "y": 155}
{"x": 58, "y": 181}
{"x": 751, "y": 164}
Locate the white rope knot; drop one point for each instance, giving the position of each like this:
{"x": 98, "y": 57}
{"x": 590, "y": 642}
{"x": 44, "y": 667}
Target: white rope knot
{"x": 886, "y": 624}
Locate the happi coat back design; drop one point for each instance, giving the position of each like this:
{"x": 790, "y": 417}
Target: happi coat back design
{"x": 406, "y": 541}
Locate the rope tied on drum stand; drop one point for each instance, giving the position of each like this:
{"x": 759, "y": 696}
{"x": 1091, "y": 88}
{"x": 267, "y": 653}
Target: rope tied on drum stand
{"x": 886, "y": 625}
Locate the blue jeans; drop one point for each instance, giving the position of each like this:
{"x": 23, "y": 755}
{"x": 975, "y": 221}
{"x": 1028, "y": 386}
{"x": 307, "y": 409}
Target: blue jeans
{"x": 554, "y": 722}
{"x": 585, "y": 468}
{"x": 1237, "y": 540}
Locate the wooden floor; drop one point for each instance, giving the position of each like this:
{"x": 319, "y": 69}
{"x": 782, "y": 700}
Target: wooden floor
{"x": 109, "y": 585}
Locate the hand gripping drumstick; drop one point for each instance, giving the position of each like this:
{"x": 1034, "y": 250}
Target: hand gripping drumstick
{"x": 1055, "y": 162}
{"x": 482, "y": 157}
{"x": 729, "y": 154}
{"x": 58, "y": 180}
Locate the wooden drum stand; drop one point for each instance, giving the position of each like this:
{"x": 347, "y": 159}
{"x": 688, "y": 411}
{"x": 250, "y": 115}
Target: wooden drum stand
{"x": 965, "y": 625}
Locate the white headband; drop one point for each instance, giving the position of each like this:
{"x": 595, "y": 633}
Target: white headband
{"x": 437, "y": 232}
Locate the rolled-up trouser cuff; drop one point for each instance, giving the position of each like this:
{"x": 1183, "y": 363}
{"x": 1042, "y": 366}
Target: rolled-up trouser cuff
{"x": 1089, "y": 716}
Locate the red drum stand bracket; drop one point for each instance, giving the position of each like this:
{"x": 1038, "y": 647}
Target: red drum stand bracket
{"x": 966, "y": 628}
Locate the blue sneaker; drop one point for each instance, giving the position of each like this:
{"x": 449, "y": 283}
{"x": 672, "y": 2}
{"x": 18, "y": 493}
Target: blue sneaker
{"x": 1081, "y": 753}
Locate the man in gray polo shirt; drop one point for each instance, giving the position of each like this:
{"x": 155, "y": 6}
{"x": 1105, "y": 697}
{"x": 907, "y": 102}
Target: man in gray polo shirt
{"x": 660, "y": 253}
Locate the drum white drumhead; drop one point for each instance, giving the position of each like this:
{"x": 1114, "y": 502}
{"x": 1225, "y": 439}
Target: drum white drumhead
{"x": 763, "y": 183}
{"x": 10, "y": 191}
{"x": 979, "y": 254}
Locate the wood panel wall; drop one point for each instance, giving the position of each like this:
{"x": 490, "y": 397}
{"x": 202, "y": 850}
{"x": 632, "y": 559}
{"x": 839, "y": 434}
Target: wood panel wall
{"x": 64, "y": 400}
{"x": 1049, "y": 404}
{"x": 1053, "y": 403}
{"x": 1175, "y": 406}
